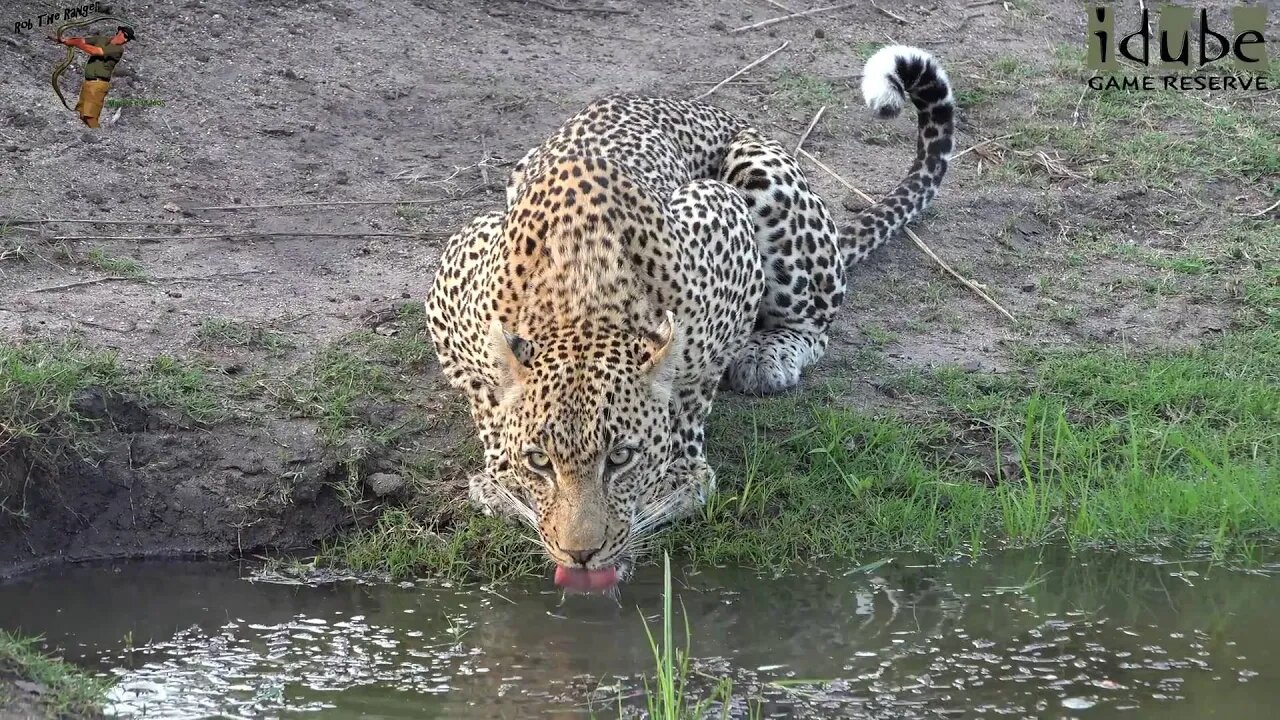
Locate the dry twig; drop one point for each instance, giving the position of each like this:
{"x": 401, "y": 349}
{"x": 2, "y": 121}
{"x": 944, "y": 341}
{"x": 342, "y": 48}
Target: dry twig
{"x": 562, "y": 8}
{"x": 792, "y": 16}
{"x": 420, "y": 173}
{"x": 1075, "y": 114}
{"x": 91, "y": 281}
{"x": 210, "y": 276}
{"x": 215, "y": 236}
{"x": 484, "y": 160}
{"x": 113, "y": 222}
{"x": 805, "y": 135}
{"x": 318, "y": 204}
{"x": 1265, "y": 210}
{"x": 1054, "y": 166}
{"x": 753, "y": 63}
{"x": 915, "y": 238}
{"x": 975, "y": 146}
{"x": 148, "y": 280}
{"x": 899, "y": 18}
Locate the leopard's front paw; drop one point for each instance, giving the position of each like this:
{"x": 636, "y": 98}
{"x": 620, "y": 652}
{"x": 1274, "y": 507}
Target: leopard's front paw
{"x": 691, "y": 482}
{"x": 763, "y": 367}
{"x": 484, "y": 494}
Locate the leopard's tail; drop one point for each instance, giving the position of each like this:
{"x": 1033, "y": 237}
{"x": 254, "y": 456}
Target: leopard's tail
{"x": 889, "y": 78}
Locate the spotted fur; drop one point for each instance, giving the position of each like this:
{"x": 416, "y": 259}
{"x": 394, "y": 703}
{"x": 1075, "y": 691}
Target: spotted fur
{"x": 651, "y": 250}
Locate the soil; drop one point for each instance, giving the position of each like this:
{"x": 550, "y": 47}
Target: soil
{"x": 22, "y": 699}
{"x": 19, "y": 699}
{"x": 409, "y": 100}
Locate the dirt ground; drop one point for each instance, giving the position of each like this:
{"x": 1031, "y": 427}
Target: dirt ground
{"x": 19, "y": 699}
{"x": 429, "y": 102}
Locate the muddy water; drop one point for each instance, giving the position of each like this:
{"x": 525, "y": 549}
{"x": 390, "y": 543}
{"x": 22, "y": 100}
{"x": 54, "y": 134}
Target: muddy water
{"x": 1019, "y": 634}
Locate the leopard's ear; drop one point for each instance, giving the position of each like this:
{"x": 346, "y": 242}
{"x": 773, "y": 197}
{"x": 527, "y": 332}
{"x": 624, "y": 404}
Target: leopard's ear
{"x": 512, "y": 354}
{"x": 663, "y": 346}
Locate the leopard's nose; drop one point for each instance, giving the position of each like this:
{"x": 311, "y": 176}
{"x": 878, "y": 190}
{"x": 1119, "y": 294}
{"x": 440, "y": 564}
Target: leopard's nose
{"x": 582, "y": 556}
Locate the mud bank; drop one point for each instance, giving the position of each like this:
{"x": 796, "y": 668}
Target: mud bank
{"x": 155, "y": 484}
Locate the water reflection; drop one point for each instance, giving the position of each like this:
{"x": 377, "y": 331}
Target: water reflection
{"x": 1022, "y": 634}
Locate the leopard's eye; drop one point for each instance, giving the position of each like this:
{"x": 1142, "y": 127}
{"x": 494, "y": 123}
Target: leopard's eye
{"x": 538, "y": 460}
{"x": 620, "y": 456}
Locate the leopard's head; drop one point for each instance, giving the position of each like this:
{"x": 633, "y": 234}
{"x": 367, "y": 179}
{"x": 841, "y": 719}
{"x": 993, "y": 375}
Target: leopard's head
{"x": 586, "y": 440}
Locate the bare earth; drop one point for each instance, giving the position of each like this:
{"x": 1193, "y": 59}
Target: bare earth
{"x": 410, "y": 100}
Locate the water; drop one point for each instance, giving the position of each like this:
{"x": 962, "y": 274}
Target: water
{"x": 1018, "y": 635}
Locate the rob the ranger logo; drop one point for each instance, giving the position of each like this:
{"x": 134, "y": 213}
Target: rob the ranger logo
{"x": 1177, "y": 47}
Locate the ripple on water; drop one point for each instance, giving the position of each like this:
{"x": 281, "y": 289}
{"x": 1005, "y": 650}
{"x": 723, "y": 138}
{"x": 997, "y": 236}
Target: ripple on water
{"x": 243, "y": 669}
{"x": 1098, "y": 638}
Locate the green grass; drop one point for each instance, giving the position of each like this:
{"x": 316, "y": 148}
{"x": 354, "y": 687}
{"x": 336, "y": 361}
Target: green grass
{"x": 332, "y": 387}
{"x": 461, "y": 546}
{"x": 1262, "y": 294}
{"x": 361, "y": 370}
{"x": 1176, "y": 450}
{"x": 806, "y": 92}
{"x": 878, "y": 335}
{"x": 670, "y": 696}
{"x": 225, "y": 332}
{"x": 865, "y": 49}
{"x": 1012, "y": 67}
{"x": 360, "y": 390}
{"x": 68, "y": 690}
{"x": 42, "y": 384}
{"x": 972, "y": 97}
{"x": 1156, "y": 137}
{"x": 1173, "y": 450}
{"x": 187, "y": 385}
{"x": 115, "y": 265}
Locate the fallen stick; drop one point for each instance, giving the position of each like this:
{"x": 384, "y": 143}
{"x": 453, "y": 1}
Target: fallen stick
{"x": 915, "y": 238}
{"x": 92, "y": 281}
{"x": 805, "y": 135}
{"x": 113, "y": 222}
{"x": 231, "y": 236}
{"x": 562, "y": 8}
{"x": 975, "y": 146}
{"x": 148, "y": 280}
{"x": 1075, "y": 114}
{"x": 1265, "y": 210}
{"x": 316, "y": 204}
{"x": 899, "y": 18}
{"x": 210, "y": 276}
{"x": 792, "y": 16}
{"x": 754, "y": 63}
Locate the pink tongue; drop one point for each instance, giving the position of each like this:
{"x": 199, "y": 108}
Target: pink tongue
{"x": 584, "y": 580}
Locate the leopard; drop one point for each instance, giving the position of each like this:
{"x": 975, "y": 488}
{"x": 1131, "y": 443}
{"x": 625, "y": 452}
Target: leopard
{"x": 652, "y": 252}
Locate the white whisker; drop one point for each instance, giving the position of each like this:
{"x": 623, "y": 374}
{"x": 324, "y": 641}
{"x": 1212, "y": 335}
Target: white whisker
{"x": 655, "y": 514}
{"x": 523, "y": 511}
